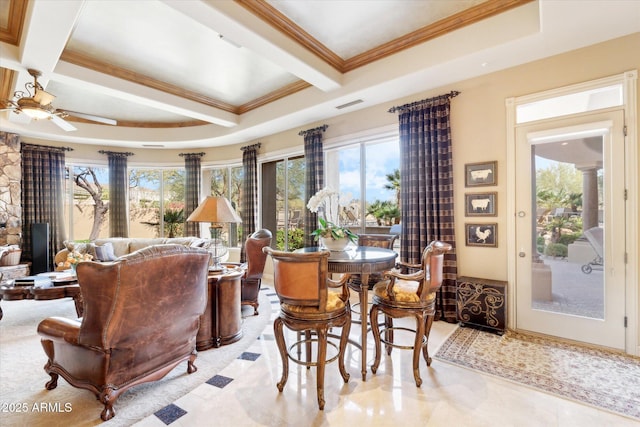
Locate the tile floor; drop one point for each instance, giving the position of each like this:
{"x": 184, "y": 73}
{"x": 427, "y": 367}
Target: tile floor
{"x": 245, "y": 394}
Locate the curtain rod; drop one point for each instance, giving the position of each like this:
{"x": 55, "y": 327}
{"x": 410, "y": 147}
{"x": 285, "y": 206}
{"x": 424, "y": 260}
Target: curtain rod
{"x": 45, "y": 147}
{"x": 201, "y": 154}
{"x": 251, "y": 147}
{"x": 115, "y": 153}
{"x": 318, "y": 129}
{"x": 451, "y": 94}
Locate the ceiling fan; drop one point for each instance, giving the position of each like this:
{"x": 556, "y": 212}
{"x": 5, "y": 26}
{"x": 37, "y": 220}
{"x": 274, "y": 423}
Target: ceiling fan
{"x": 37, "y": 105}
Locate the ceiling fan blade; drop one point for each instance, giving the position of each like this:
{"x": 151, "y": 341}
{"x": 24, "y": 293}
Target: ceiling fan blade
{"x": 91, "y": 117}
{"x": 62, "y": 123}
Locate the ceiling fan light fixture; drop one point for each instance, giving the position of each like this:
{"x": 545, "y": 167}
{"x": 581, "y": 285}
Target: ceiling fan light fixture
{"x": 43, "y": 97}
{"x": 33, "y": 109}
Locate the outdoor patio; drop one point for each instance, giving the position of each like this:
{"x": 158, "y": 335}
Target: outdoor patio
{"x": 574, "y": 292}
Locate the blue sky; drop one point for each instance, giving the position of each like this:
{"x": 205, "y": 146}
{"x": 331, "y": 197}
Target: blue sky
{"x": 381, "y": 159}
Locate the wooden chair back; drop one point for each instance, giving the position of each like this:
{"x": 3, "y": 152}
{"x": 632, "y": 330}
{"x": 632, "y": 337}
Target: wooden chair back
{"x": 300, "y": 278}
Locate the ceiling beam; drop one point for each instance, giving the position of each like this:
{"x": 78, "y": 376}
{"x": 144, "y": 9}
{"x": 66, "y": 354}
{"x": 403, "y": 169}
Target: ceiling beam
{"x": 240, "y": 26}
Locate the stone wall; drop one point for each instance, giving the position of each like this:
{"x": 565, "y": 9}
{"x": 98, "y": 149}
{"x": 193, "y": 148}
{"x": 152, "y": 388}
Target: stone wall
{"x": 10, "y": 190}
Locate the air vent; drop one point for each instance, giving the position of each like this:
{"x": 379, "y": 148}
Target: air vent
{"x": 349, "y": 104}
{"x": 153, "y": 145}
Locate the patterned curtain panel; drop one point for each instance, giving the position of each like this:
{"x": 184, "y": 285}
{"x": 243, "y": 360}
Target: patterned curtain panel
{"x": 43, "y": 191}
{"x": 249, "y": 194}
{"x": 192, "y": 183}
{"x": 314, "y": 176}
{"x": 118, "y": 194}
{"x": 426, "y": 188}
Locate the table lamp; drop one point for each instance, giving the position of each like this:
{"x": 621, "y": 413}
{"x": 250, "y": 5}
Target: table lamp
{"x": 217, "y": 211}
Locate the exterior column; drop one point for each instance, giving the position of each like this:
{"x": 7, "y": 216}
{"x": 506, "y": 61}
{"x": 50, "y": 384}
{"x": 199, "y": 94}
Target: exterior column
{"x": 589, "y": 197}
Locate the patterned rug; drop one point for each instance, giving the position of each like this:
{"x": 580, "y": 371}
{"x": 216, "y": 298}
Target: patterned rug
{"x": 606, "y": 380}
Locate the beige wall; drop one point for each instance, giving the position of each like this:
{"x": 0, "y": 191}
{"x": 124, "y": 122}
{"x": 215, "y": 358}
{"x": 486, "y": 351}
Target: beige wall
{"x": 478, "y": 128}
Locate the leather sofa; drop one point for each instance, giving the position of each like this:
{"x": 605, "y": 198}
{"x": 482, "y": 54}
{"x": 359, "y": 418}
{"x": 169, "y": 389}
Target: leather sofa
{"x": 121, "y": 246}
{"x": 122, "y": 341}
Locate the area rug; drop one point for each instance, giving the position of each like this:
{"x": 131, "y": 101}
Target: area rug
{"x": 25, "y": 401}
{"x": 606, "y": 380}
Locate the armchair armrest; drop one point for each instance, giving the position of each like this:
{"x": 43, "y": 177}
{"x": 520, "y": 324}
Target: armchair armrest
{"x": 393, "y": 275}
{"x": 408, "y": 266}
{"x": 60, "y": 329}
{"x": 341, "y": 283}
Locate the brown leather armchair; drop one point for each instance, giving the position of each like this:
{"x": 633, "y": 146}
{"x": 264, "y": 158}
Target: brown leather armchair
{"x": 141, "y": 317}
{"x": 256, "y": 259}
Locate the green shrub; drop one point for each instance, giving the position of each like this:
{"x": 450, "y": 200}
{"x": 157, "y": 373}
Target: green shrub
{"x": 296, "y": 239}
{"x": 556, "y": 250}
{"x": 567, "y": 239}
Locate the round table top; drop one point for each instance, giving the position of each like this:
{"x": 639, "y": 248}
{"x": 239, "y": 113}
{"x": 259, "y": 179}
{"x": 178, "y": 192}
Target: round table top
{"x": 356, "y": 254}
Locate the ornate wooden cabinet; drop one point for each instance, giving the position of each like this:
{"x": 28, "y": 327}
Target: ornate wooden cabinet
{"x": 482, "y": 303}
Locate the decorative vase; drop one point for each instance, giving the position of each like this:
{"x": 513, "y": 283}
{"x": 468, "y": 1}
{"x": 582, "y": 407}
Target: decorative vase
{"x": 335, "y": 245}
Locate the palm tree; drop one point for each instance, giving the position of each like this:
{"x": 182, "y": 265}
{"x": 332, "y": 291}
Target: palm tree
{"x": 393, "y": 183}
{"x": 173, "y": 219}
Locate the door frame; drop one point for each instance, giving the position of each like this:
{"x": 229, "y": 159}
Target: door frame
{"x": 629, "y": 84}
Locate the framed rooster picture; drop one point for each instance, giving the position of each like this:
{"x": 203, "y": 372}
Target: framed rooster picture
{"x": 482, "y": 235}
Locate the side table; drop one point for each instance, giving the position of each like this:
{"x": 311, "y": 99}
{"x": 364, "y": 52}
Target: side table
{"x": 221, "y": 322}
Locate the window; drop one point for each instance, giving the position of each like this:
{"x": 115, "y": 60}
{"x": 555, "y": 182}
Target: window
{"x": 144, "y": 202}
{"x": 572, "y": 103}
{"x": 367, "y": 175}
{"x": 284, "y": 201}
{"x": 173, "y": 202}
{"x": 227, "y": 182}
{"x": 87, "y": 202}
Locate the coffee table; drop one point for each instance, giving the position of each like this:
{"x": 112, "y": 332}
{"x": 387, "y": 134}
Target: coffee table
{"x": 63, "y": 286}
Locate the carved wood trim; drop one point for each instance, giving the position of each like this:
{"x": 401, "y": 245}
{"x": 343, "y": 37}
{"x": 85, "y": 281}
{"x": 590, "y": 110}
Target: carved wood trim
{"x": 86, "y": 61}
{"x": 439, "y": 28}
{"x": 279, "y": 21}
{"x": 276, "y": 19}
{"x": 6, "y": 89}
{"x": 17, "y": 11}
{"x": 273, "y": 96}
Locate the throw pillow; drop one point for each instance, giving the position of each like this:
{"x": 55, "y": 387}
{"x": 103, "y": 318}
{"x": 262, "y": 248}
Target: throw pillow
{"x": 105, "y": 252}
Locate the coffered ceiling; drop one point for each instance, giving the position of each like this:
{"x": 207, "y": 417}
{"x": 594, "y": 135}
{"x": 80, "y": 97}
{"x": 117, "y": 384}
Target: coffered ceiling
{"x": 203, "y": 73}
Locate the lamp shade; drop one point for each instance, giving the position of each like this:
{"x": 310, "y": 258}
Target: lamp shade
{"x": 214, "y": 209}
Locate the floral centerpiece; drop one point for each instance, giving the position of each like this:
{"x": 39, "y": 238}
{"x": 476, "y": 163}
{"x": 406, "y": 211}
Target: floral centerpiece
{"x": 73, "y": 259}
{"x": 326, "y": 203}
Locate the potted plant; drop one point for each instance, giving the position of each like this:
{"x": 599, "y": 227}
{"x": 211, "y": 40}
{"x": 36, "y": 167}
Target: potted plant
{"x": 329, "y": 232}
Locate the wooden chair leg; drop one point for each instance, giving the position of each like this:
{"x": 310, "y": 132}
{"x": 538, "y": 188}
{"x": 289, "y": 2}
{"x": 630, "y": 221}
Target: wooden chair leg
{"x": 321, "y": 362}
{"x": 418, "y": 348}
{"x": 388, "y": 332}
{"x": 346, "y": 329}
{"x": 278, "y": 324}
{"x": 375, "y": 331}
{"x": 427, "y": 330}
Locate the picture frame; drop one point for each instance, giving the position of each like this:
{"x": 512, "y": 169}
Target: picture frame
{"x": 479, "y": 174}
{"x": 480, "y": 204}
{"x": 484, "y": 235}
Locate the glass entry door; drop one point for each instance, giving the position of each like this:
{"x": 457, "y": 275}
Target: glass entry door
{"x": 570, "y": 228}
